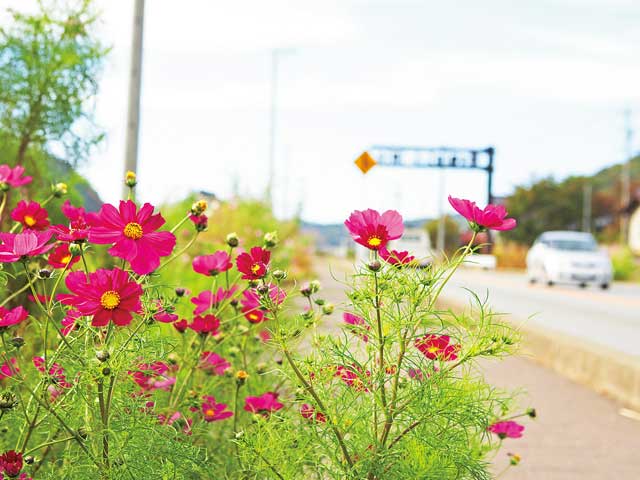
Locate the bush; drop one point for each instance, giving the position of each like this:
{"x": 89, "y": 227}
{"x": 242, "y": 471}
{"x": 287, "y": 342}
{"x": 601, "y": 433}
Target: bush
{"x": 625, "y": 265}
{"x": 114, "y": 373}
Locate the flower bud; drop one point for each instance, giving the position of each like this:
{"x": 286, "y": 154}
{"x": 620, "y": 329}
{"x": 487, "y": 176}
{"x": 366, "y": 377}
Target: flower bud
{"x": 279, "y": 361}
{"x": 514, "y": 458}
{"x": 253, "y": 283}
{"x": 319, "y": 301}
{"x": 180, "y": 292}
{"x": 44, "y": 273}
{"x": 314, "y": 285}
{"x": 17, "y": 342}
{"x": 327, "y": 308}
{"x": 307, "y": 314}
{"x": 262, "y": 289}
{"x": 102, "y": 355}
{"x": 75, "y": 249}
{"x": 106, "y": 371}
{"x": 279, "y": 274}
{"x": 270, "y": 239}
{"x": 4, "y": 187}
{"x": 305, "y": 291}
{"x": 234, "y": 303}
{"x": 29, "y": 459}
{"x": 199, "y": 207}
{"x": 233, "y": 351}
{"x": 82, "y": 433}
{"x": 232, "y": 240}
{"x": 242, "y": 329}
{"x": 532, "y": 412}
{"x": 8, "y": 400}
{"x": 374, "y": 266}
{"x": 59, "y": 189}
{"x": 241, "y": 377}
{"x": 130, "y": 179}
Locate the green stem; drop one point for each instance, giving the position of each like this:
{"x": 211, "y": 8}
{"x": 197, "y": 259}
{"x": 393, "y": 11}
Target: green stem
{"x": 14, "y": 294}
{"x": 48, "y": 444}
{"x": 179, "y": 224}
{"x": 186, "y": 247}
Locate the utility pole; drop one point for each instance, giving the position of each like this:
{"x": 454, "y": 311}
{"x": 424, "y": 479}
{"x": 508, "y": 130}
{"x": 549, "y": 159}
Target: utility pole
{"x": 135, "y": 82}
{"x": 626, "y": 175}
{"x": 587, "y": 193}
{"x": 272, "y": 123}
{"x": 440, "y": 238}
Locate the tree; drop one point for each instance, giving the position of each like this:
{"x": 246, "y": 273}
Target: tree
{"x": 451, "y": 233}
{"x": 49, "y": 66}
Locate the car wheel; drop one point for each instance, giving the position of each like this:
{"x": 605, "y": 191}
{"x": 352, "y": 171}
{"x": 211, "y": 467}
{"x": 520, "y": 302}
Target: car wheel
{"x": 604, "y": 286}
{"x": 550, "y": 283}
{"x": 583, "y": 285}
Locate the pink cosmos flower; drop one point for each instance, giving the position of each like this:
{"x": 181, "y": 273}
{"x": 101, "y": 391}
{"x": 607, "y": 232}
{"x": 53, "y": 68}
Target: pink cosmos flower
{"x": 372, "y": 230}
{"x": 251, "y": 307}
{"x": 207, "y": 325}
{"x": 162, "y": 313}
{"x": 31, "y": 215}
{"x": 358, "y": 324}
{"x": 61, "y": 257}
{"x": 506, "y": 429}
{"x": 310, "y": 413}
{"x": 12, "y": 317}
{"x": 181, "y": 325}
{"x": 11, "y": 463}
{"x": 9, "y": 369}
{"x": 206, "y": 300}
{"x": 254, "y": 265}
{"x": 109, "y": 295}
{"x": 264, "y": 404}
{"x": 416, "y": 374}
{"x": 394, "y": 257}
{"x": 69, "y": 322}
{"x": 78, "y": 228}
{"x": 133, "y": 234}
{"x": 211, "y": 265}
{"x": 213, "y": 411}
{"x": 12, "y": 177}
{"x": 493, "y": 217}
{"x": 152, "y": 376}
{"x": 437, "y": 347}
{"x": 56, "y": 372}
{"x": 352, "y": 376}
{"x": 18, "y": 246}
{"x": 264, "y": 336}
{"x": 213, "y": 363}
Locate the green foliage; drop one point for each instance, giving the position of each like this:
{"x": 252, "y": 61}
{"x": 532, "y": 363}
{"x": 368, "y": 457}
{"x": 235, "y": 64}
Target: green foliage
{"x": 49, "y": 64}
{"x": 625, "y": 265}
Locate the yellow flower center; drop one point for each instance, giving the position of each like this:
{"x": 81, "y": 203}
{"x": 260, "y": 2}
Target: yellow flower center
{"x": 374, "y": 241}
{"x": 255, "y": 268}
{"x": 110, "y": 300}
{"x": 253, "y": 316}
{"x": 433, "y": 349}
{"x": 133, "y": 231}
{"x": 210, "y": 412}
{"x": 29, "y": 221}
{"x": 66, "y": 259}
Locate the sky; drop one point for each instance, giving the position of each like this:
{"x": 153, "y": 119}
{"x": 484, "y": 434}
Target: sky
{"x": 543, "y": 81}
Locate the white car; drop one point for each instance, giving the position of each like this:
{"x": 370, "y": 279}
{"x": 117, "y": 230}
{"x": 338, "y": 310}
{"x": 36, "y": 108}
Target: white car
{"x": 568, "y": 257}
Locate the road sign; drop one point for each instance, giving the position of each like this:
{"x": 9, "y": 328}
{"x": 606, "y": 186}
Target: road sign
{"x": 365, "y": 162}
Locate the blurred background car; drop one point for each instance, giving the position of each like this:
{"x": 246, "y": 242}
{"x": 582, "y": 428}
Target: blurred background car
{"x": 568, "y": 257}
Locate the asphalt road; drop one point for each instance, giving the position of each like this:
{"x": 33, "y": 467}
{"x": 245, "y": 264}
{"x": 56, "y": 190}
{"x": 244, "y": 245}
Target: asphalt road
{"x": 605, "y": 317}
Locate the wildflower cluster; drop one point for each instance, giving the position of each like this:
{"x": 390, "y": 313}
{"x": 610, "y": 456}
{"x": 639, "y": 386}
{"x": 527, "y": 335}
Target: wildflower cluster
{"x": 111, "y": 366}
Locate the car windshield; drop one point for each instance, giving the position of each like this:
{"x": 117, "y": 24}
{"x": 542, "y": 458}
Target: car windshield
{"x": 573, "y": 245}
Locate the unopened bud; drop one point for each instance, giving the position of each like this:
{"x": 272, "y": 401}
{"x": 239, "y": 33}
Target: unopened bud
{"x": 328, "y": 308}
{"x": 279, "y": 274}
{"x": 199, "y": 207}
{"x": 59, "y": 189}
{"x": 180, "y": 292}
{"x": 270, "y": 239}
{"x": 261, "y": 367}
{"x": 82, "y": 433}
{"x": 514, "y": 458}
{"x": 532, "y": 412}
{"x": 314, "y": 285}
{"x": 8, "y": 401}
{"x": 29, "y": 459}
{"x": 232, "y": 240}
{"x": 374, "y": 266}
{"x": 4, "y": 187}
{"x": 17, "y": 342}
{"x": 254, "y": 283}
{"x": 262, "y": 289}
{"x": 130, "y": 179}
{"x": 305, "y": 291}
{"x": 44, "y": 273}
{"x": 106, "y": 371}
{"x": 102, "y": 355}
{"x": 75, "y": 249}
{"x": 319, "y": 301}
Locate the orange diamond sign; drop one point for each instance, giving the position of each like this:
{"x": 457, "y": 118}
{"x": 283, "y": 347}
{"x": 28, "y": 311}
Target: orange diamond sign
{"x": 365, "y": 162}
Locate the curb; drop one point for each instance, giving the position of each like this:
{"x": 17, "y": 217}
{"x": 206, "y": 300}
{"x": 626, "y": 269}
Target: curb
{"x": 606, "y": 371}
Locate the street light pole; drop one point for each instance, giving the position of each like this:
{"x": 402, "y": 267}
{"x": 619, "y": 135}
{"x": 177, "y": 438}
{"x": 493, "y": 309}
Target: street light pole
{"x": 135, "y": 83}
{"x": 272, "y": 124}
